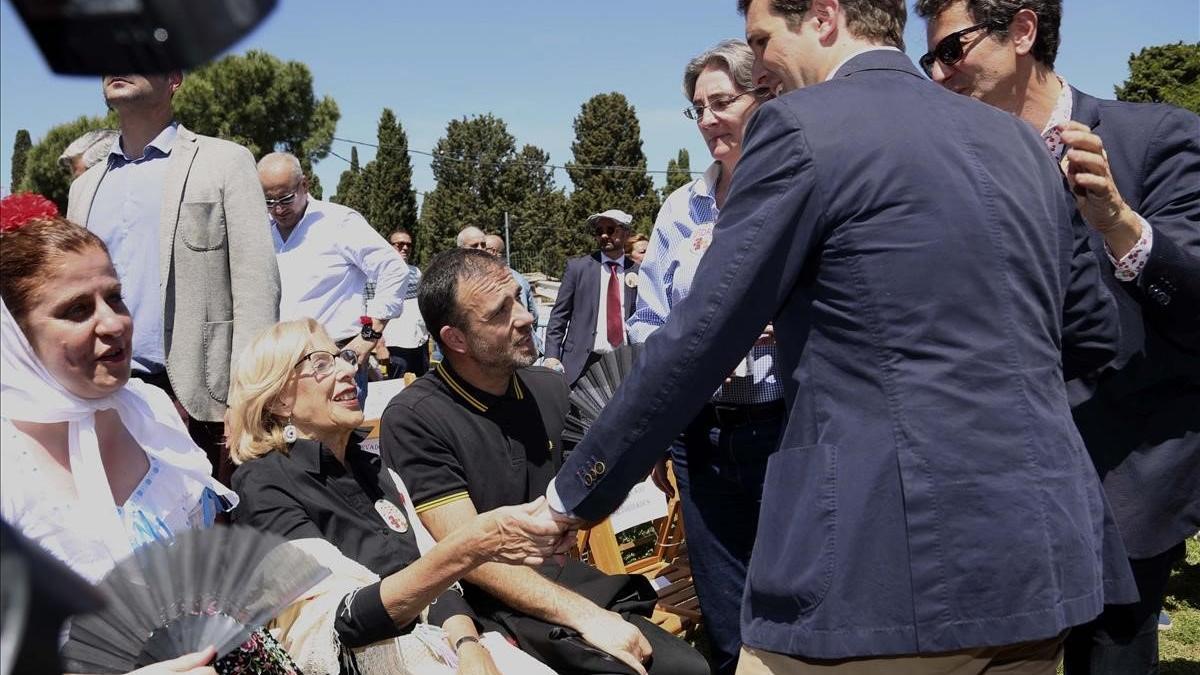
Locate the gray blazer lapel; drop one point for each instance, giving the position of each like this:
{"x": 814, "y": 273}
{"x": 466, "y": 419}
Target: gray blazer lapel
{"x": 182, "y": 154}
{"x": 79, "y": 208}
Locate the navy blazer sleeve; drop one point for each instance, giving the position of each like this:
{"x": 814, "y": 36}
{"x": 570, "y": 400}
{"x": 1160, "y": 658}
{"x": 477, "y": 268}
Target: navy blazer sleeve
{"x": 1168, "y": 287}
{"x": 560, "y": 315}
{"x": 770, "y": 225}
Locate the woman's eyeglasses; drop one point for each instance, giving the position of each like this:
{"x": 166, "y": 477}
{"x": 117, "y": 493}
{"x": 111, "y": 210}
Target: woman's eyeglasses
{"x": 323, "y": 361}
{"x": 718, "y": 106}
{"x": 949, "y": 50}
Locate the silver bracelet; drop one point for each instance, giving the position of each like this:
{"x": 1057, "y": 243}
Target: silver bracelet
{"x": 466, "y": 638}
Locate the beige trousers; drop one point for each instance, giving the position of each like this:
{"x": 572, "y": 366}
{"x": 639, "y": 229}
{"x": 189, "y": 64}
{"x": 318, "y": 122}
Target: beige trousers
{"x": 1027, "y": 658}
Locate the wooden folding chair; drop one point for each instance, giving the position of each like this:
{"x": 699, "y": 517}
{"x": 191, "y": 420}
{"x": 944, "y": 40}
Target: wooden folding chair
{"x": 667, "y": 566}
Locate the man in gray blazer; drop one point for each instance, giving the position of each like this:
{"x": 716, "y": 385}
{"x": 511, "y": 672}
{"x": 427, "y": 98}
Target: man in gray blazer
{"x": 185, "y": 220}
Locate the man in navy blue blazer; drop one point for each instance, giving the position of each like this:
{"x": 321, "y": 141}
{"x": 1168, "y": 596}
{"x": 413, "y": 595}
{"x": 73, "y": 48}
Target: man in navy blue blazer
{"x": 1137, "y": 171}
{"x": 931, "y": 506}
{"x": 581, "y": 327}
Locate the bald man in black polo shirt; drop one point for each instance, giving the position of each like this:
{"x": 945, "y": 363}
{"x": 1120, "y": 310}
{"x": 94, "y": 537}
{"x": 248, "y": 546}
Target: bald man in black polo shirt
{"x": 483, "y": 430}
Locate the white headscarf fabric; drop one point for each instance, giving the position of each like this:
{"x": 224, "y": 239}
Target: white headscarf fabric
{"x": 29, "y": 393}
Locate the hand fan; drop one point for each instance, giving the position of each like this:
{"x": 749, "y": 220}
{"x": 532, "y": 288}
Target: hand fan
{"x": 595, "y": 388}
{"x": 204, "y": 587}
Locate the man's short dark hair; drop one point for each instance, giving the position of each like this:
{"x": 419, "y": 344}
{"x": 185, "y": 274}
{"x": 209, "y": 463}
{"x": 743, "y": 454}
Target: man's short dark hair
{"x": 1000, "y": 13}
{"x": 437, "y": 293}
{"x": 881, "y": 21}
{"x": 400, "y": 230}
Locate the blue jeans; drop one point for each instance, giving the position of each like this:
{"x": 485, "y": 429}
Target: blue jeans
{"x": 720, "y": 475}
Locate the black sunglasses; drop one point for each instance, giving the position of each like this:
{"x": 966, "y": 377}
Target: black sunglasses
{"x": 949, "y": 50}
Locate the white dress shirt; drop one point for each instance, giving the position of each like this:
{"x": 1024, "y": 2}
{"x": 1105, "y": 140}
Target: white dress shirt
{"x": 325, "y": 265}
{"x": 408, "y": 331}
{"x": 602, "y": 345}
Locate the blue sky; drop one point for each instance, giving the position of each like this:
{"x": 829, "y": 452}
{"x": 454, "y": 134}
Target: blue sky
{"x": 531, "y": 62}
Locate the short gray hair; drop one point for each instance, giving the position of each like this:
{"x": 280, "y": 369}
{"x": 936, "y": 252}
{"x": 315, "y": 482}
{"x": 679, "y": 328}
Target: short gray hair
{"x": 735, "y": 55}
{"x": 91, "y": 147}
{"x": 287, "y": 159}
{"x": 461, "y": 239}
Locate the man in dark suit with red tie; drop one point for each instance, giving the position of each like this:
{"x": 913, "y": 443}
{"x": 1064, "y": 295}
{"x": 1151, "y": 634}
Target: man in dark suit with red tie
{"x": 598, "y": 292}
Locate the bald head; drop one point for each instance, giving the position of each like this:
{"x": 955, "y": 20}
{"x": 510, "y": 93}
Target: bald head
{"x": 285, "y": 188}
{"x": 470, "y": 237}
{"x": 494, "y": 244}
{"x": 281, "y": 163}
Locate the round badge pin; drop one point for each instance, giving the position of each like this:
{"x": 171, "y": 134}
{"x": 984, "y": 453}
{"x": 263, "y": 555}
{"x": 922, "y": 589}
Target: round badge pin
{"x": 702, "y": 239}
{"x": 631, "y": 279}
{"x": 392, "y": 515}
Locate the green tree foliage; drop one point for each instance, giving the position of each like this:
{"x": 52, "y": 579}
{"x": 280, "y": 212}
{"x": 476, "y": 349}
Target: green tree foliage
{"x": 385, "y": 194}
{"x": 43, "y": 174}
{"x": 348, "y": 183}
{"x": 263, "y": 103}
{"x": 1164, "y": 74}
{"x": 607, "y": 133}
{"x": 21, "y": 145}
{"x": 678, "y": 173}
{"x": 481, "y": 176}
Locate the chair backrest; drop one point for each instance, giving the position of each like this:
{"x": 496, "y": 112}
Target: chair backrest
{"x": 666, "y": 565}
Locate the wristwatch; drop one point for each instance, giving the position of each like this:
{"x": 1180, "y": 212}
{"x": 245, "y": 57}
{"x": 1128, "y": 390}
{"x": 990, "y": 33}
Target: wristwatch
{"x": 368, "y": 329}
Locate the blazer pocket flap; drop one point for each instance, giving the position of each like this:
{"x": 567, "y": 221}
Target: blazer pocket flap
{"x": 202, "y": 225}
{"x": 218, "y": 349}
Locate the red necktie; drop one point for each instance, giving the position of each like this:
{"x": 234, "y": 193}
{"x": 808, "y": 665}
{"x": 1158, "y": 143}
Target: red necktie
{"x": 615, "y": 324}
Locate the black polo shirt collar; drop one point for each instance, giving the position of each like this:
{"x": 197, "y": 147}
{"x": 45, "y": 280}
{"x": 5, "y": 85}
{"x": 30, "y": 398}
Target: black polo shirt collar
{"x": 473, "y": 396}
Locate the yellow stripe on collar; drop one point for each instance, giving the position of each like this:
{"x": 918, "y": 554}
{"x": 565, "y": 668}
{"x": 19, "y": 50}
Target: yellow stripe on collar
{"x": 442, "y": 501}
{"x": 517, "y": 389}
{"x": 458, "y": 389}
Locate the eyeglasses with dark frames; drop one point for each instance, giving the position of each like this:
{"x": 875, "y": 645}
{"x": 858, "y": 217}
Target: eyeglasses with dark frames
{"x": 323, "y": 361}
{"x": 949, "y": 50}
{"x": 718, "y": 106}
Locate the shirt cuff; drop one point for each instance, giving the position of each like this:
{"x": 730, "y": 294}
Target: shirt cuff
{"x": 555, "y": 501}
{"x": 1130, "y": 265}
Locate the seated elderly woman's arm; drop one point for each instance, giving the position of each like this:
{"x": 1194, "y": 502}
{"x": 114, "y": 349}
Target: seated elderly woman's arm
{"x": 390, "y": 606}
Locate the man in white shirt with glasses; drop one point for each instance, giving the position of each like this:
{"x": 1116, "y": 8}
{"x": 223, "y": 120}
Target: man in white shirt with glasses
{"x": 327, "y": 254}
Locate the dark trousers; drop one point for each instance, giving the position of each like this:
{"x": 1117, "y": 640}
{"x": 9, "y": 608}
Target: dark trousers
{"x": 1123, "y": 640}
{"x": 564, "y": 650}
{"x": 402, "y": 360}
{"x": 720, "y": 474}
{"x": 210, "y": 436}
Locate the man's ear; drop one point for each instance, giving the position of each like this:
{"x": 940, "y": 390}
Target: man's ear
{"x": 453, "y": 340}
{"x": 174, "y": 80}
{"x": 825, "y": 17}
{"x": 1022, "y": 31}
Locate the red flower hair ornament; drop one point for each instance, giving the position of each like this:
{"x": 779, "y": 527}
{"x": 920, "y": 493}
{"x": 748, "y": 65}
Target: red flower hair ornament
{"x": 18, "y": 209}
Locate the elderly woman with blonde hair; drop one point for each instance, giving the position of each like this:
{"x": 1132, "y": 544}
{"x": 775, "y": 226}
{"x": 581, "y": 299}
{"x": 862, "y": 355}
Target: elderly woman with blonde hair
{"x": 391, "y": 605}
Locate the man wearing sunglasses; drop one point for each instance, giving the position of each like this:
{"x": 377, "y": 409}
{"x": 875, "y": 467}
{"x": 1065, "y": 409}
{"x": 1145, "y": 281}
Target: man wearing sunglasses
{"x": 931, "y": 508}
{"x": 327, "y": 254}
{"x": 598, "y": 293}
{"x": 1134, "y": 169}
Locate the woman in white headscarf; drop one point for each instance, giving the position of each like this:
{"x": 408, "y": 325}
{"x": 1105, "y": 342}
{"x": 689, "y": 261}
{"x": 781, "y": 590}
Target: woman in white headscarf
{"x": 94, "y": 464}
